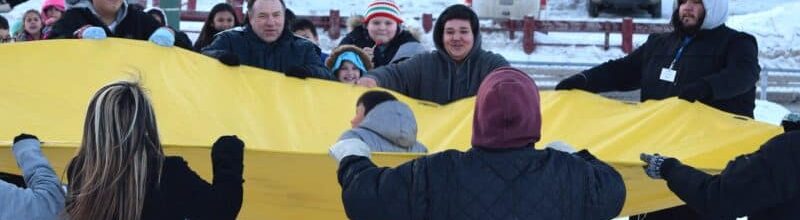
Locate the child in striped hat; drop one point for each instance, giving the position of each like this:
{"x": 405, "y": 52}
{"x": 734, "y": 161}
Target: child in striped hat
{"x": 380, "y": 36}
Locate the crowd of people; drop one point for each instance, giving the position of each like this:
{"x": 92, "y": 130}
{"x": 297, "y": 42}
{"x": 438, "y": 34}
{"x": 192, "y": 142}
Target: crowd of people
{"x": 121, "y": 171}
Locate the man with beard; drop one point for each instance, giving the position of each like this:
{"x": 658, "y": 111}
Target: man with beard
{"x": 701, "y": 60}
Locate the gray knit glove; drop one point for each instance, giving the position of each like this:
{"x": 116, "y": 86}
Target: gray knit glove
{"x": 653, "y": 167}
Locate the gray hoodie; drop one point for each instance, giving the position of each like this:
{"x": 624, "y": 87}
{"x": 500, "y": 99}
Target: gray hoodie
{"x": 389, "y": 127}
{"x": 44, "y": 197}
{"x": 434, "y": 76}
{"x": 716, "y": 13}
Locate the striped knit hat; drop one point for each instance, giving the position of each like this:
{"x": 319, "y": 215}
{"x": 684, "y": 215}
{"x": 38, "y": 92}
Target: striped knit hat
{"x": 383, "y": 8}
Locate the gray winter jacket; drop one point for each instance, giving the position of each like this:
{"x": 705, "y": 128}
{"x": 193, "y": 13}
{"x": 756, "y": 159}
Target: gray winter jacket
{"x": 389, "y": 127}
{"x": 434, "y": 76}
{"x": 44, "y": 197}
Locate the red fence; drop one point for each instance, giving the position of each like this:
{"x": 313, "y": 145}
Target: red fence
{"x": 333, "y": 24}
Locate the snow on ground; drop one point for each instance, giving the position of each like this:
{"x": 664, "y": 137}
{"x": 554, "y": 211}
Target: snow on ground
{"x": 769, "y": 112}
{"x": 777, "y": 32}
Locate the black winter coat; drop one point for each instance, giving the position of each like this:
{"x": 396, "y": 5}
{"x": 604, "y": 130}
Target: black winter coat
{"x": 383, "y": 54}
{"x": 762, "y": 185}
{"x": 727, "y": 60}
{"x": 522, "y": 183}
{"x": 183, "y": 194}
{"x": 136, "y": 25}
{"x": 288, "y": 52}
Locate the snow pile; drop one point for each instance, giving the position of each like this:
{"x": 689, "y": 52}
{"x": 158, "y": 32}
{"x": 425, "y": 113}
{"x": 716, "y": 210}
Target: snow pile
{"x": 769, "y": 112}
{"x": 777, "y": 32}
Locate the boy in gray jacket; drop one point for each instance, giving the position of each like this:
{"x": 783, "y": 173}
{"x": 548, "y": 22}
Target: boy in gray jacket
{"x": 385, "y": 124}
{"x": 44, "y": 197}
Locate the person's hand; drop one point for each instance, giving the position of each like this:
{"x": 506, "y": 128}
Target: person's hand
{"x": 163, "y": 36}
{"x": 369, "y": 51}
{"x": 561, "y": 146}
{"x": 367, "y": 82}
{"x": 227, "y": 155}
{"x": 50, "y": 21}
{"x": 695, "y": 91}
{"x": 791, "y": 122}
{"x": 300, "y": 72}
{"x": 91, "y": 33}
{"x": 577, "y": 81}
{"x": 349, "y": 147}
{"x": 229, "y": 59}
{"x": 24, "y": 136}
{"x": 653, "y": 164}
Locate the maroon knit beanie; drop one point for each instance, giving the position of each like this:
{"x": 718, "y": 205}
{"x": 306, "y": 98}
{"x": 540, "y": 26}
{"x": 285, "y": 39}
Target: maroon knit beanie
{"x": 507, "y": 113}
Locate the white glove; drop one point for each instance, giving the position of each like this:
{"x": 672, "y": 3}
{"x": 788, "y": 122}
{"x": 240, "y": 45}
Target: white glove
{"x": 349, "y": 147}
{"x": 561, "y": 146}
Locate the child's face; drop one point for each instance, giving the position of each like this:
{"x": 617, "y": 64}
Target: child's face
{"x": 223, "y": 21}
{"x": 54, "y": 13}
{"x": 348, "y": 73}
{"x": 4, "y": 37}
{"x": 33, "y": 23}
{"x": 306, "y": 33}
{"x": 359, "y": 117}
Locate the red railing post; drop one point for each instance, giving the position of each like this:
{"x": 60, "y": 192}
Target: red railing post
{"x": 627, "y": 35}
{"x": 334, "y": 24}
{"x": 427, "y": 22}
{"x": 191, "y": 5}
{"x": 528, "y": 43}
{"x": 237, "y": 6}
{"x": 511, "y": 25}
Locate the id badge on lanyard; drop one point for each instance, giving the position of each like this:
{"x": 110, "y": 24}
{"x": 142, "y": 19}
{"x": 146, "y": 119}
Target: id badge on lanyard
{"x": 669, "y": 74}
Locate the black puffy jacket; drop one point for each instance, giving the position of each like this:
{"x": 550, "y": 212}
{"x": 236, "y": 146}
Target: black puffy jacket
{"x": 522, "y": 183}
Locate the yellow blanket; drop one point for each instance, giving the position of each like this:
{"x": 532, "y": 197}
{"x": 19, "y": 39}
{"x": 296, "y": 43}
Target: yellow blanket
{"x": 288, "y": 124}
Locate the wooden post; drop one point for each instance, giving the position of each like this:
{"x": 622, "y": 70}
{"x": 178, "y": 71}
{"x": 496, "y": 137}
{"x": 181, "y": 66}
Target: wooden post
{"x": 528, "y": 29}
{"x": 427, "y": 22}
{"x": 334, "y": 25}
{"x": 627, "y": 35}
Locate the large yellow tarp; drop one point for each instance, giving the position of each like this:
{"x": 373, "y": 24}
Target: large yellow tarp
{"x": 288, "y": 124}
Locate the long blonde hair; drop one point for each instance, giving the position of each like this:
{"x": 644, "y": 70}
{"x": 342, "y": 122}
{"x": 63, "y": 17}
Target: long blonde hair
{"x": 119, "y": 158}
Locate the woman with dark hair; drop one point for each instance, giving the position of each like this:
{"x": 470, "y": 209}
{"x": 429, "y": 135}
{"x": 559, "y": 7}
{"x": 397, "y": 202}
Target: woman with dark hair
{"x": 121, "y": 172}
{"x": 31, "y": 27}
{"x": 222, "y": 17}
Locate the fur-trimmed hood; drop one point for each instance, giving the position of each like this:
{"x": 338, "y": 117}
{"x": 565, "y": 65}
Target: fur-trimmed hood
{"x": 343, "y": 48}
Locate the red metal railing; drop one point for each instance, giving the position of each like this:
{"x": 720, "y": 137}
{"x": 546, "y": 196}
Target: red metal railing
{"x": 333, "y": 24}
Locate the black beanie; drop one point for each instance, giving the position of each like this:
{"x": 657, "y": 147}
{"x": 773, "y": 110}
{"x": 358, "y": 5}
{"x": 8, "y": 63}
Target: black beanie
{"x": 457, "y": 11}
{"x": 374, "y": 98}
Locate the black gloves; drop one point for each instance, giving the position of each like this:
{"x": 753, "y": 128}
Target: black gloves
{"x": 695, "y": 91}
{"x": 791, "y": 122}
{"x": 577, "y": 81}
{"x": 229, "y": 59}
{"x": 227, "y": 156}
{"x": 24, "y": 136}
{"x": 300, "y": 72}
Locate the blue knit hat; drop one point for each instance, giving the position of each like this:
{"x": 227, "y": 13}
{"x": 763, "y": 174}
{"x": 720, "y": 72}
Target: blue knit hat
{"x": 351, "y": 57}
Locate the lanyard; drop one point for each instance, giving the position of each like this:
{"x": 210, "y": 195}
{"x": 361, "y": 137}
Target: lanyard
{"x": 678, "y": 55}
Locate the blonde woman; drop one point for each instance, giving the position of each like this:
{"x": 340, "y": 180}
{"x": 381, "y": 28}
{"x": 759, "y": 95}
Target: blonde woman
{"x": 121, "y": 171}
